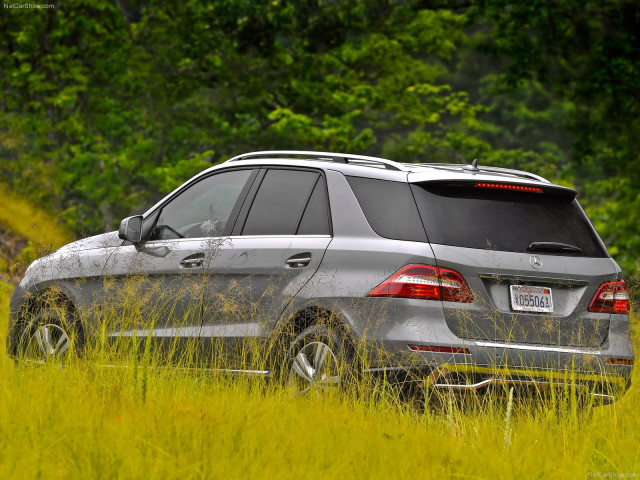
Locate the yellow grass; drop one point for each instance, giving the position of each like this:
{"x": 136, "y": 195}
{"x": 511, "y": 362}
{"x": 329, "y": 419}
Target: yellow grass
{"x": 85, "y": 421}
{"x": 22, "y": 219}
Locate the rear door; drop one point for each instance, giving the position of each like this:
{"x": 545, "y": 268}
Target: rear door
{"x": 277, "y": 244}
{"x": 530, "y": 255}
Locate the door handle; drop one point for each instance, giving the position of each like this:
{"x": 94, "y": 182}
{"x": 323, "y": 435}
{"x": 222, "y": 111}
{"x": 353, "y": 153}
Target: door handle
{"x": 192, "y": 261}
{"x": 299, "y": 261}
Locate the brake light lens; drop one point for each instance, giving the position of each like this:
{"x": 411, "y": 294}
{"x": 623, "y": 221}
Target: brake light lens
{"x": 611, "y": 297}
{"x": 507, "y": 186}
{"x": 426, "y": 283}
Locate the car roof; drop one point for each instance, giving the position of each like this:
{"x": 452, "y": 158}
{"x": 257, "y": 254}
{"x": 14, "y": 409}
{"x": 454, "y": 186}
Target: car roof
{"x": 374, "y": 167}
{"x": 382, "y": 168}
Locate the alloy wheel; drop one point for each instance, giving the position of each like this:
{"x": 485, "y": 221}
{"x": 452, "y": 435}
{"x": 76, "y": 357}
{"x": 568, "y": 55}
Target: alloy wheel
{"x": 46, "y": 342}
{"x": 314, "y": 368}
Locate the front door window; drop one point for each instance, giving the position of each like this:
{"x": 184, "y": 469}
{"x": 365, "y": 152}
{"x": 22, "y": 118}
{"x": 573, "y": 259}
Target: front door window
{"x": 202, "y": 210}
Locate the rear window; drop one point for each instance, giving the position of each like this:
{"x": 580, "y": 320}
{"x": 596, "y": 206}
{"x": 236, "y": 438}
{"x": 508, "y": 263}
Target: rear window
{"x": 471, "y": 217}
{"x": 389, "y": 208}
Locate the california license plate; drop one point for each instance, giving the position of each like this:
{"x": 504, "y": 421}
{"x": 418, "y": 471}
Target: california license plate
{"x": 526, "y": 298}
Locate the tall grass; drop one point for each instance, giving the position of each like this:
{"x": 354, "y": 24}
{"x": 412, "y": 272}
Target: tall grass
{"x": 87, "y": 421}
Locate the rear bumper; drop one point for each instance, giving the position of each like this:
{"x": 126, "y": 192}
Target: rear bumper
{"x": 479, "y": 365}
{"x": 528, "y": 368}
{"x": 543, "y": 384}
{"x": 605, "y": 388}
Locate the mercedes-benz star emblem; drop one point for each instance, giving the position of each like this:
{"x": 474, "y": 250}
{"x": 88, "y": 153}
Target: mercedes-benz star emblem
{"x": 535, "y": 262}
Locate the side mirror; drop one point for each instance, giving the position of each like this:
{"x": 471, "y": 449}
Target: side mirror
{"x": 131, "y": 229}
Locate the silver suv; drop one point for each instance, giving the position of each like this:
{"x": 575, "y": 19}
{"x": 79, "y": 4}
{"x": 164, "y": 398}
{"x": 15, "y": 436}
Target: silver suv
{"x": 457, "y": 276}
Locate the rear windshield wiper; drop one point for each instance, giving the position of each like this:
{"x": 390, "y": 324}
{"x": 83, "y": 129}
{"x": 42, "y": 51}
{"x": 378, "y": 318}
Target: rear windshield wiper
{"x": 553, "y": 247}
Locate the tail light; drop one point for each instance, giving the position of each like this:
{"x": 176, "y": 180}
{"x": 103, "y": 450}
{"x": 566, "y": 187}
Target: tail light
{"x": 508, "y": 186}
{"x": 611, "y": 297}
{"x": 426, "y": 283}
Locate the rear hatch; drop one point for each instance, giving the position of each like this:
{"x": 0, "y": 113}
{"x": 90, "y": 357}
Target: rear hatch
{"x": 530, "y": 256}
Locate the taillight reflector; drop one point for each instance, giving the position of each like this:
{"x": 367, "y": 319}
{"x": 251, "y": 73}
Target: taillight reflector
{"x": 438, "y": 349}
{"x": 611, "y": 297}
{"x": 619, "y": 361}
{"x": 426, "y": 283}
{"x": 507, "y": 186}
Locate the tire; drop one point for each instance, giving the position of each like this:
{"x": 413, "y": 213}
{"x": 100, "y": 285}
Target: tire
{"x": 48, "y": 337}
{"x": 319, "y": 361}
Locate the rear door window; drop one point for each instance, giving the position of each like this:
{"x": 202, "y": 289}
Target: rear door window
{"x": 289, "y": 202}
{"x": 465, "y": 216}
{"x": 315, "y": 219}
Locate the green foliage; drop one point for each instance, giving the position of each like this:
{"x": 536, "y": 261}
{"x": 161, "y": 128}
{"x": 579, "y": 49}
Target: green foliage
{"x": 587, "y": 53}
{"x": 106, "y": 106}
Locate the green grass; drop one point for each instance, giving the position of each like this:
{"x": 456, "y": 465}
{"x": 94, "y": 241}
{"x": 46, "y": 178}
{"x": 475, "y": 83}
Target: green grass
{"x": 84, "y": 421}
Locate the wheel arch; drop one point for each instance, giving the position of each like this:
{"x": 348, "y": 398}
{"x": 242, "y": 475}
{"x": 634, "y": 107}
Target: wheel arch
{"x": 45, "y": 298}
{"x": 293, "y": 322}
{"x": 309, "y": 315}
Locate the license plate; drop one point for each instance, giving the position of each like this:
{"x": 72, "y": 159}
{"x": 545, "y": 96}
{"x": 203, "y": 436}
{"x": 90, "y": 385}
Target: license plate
{"x": 526, "y": 298}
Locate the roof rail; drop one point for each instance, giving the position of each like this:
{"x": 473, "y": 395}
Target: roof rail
{"x": 362, "y": 160}
{"x": 520, "y": 173}
{"x": 477, "y": 169}
{"x": 325, "y": 157}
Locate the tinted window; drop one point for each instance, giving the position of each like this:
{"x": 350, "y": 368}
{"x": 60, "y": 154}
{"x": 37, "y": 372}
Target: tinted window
{"x": 502, "y": 220}
{"x": 315, "y": 220}
{"x": 280, "y": 202}
{"x": 203, "y": 209}
{"x": 389, "y": 207}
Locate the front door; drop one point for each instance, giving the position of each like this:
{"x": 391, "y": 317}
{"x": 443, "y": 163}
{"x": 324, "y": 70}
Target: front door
{"x": 155, "y": 289}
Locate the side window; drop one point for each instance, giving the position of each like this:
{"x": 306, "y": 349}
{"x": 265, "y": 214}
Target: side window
{"x": 203, "y": 209}
{"x": 389, "y": 208}
{"x": 282, "y": 199}
{"x": 315, "y": 219}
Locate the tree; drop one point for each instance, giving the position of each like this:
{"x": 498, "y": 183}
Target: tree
{"x": 106, "y": 106}
{"x": 588, "y": 52}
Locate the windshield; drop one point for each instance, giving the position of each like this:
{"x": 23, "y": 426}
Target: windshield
{"x": 465, "y": 216}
